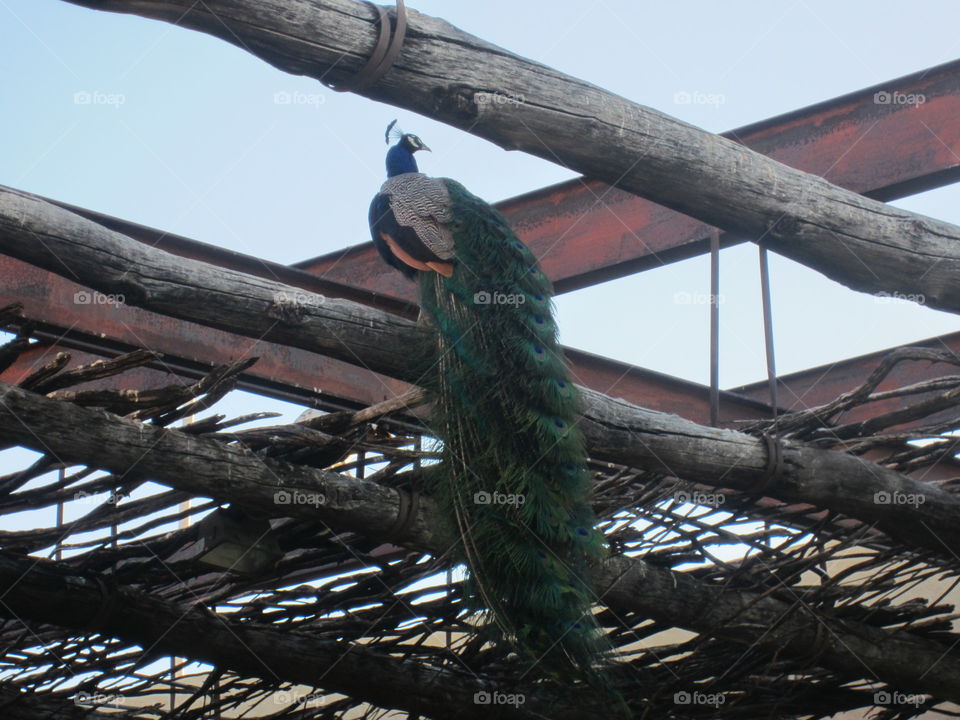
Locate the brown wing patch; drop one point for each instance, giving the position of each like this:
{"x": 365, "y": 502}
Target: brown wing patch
{"x": 445, "y": 269}
{"x": 402, "y": 255}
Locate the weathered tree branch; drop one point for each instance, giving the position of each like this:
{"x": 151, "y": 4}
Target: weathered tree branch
{"x": 36, "y": 592}
{"x": 914, "y": 512}
{"x": 459, "y": 79}
{"x": 21, "y": 705}
{"x": 209, "y": 468}
{"x": 64, "y": 243}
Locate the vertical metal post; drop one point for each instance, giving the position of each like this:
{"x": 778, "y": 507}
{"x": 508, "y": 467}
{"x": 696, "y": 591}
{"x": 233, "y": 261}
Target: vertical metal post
{"x": 715, "y": 328}
{"x": 768, "y": 330}
{"x": 114, "y": 525}
{"x": 62, "y": 476}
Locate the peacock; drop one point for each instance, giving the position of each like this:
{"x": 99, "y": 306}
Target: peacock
{"x": 513, "y": 476}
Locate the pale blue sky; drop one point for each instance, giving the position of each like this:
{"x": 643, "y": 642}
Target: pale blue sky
{"x": 199, "y": 146}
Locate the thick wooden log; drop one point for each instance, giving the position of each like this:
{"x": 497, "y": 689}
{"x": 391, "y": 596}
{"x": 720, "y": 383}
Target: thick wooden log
{"x": 900, "y": 149}
{"x": 209, "y": 468}
{"x": 80, "y": 250}
{"x": 914, "y": 512}
{"x": 37, "y": 589}
{"x": 19, "y": 704}
{"x": 457, "y": 78}
{"x": 63, "y": 243}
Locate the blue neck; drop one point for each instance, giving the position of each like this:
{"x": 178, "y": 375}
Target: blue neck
{"x": 400, "y": 160}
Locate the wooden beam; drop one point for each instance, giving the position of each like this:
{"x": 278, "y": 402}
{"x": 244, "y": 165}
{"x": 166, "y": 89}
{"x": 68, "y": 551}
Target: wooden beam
{"x": 585, "y": 231}
{"x": 616, "y": 431}
{"x": 21, "y": 704}
{"x": 303, "y": 377}
{"x": 232, "y": 473}
{"x": 36, "y": 588}
{"x": 282, "y": 371}
{"x": 450, "y": 76}
{"x": 189, "y": 349}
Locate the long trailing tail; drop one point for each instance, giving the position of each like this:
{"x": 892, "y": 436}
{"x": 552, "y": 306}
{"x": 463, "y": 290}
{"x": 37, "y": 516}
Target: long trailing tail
{"x": 513, "y": 469}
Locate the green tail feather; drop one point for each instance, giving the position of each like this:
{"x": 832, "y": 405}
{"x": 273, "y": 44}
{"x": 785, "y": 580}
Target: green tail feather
{"x": 513, "y": 474}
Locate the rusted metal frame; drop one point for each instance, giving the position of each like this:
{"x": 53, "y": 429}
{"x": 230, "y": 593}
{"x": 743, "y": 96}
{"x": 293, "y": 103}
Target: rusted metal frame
{"x": 586, "y": 232}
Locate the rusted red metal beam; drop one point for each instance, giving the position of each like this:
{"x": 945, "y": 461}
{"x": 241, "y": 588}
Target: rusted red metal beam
{"x": 189, "y": 349}
{"x": 819, "y": 385}
{"x": 659, "y": 391}
{"x": 283, "y": 371}
{"x": 296, "y": 374}
{"x": 303, "y": 377}
{"x": 586, "y": 232}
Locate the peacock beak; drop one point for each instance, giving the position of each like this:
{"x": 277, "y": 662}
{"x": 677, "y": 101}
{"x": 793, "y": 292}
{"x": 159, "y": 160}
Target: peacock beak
{"x": 424, "y": 147}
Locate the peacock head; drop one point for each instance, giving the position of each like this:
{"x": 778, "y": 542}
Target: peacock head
{"x": 400, "y": 157}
